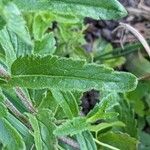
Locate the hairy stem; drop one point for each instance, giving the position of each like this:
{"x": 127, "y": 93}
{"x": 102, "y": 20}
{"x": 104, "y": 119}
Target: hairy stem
{"x": 70, "y": 142}
{"x": 24, "y": 99}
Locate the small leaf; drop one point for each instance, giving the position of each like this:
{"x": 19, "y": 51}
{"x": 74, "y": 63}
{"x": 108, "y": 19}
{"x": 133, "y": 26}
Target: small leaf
{"x": 46, "y": 45}
{"x": 72, "y": 127}
{"x": 15, "y": 22}
{"x": 13, "y": 45}
{"x": 104, "y": 9}
{"x": 86, "y": 141}
{"x": 103, "y": 109}
{"x": 41, "y": 22}
{"x": 68, "y": 103}
{"x": 67, "y": 74}
{"x": 103, "y": 126}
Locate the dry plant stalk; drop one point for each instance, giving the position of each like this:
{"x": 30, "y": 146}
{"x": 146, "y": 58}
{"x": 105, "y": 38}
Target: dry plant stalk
{"x": 136, "y": 34}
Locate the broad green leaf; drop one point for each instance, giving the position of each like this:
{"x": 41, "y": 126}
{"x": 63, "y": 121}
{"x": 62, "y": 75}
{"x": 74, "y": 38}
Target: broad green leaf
{"x": 119, "y": 140}
{"x": 67, "y": 74}
{"x": 72, "y": 127}
{"x": 85, "y": 140}
{"x": 104, "y": 9}
{"x": 43, "y": 128}
{"x": 9, "y": 136}
{"x": 46, "y": 45}
{"x": 68, "y": 103}
{"x": 3, "y": 110}
{"x": 15, "y": 22}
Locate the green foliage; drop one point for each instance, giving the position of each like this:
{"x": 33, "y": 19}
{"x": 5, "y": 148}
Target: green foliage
{"x": 9, "y": 136}
{"x": 67, "y": 74}
{"x": 43, "y": 128}
{"x": 86, "y": 141}
{"x": 35, "y": 38}
{"x": 119, "y": 140}
{"x": 97, "y": 9}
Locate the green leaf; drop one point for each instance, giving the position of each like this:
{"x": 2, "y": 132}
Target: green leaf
{"x": 72, "y": 127}
{"x": 9, "y": 136}
{"x": 86, "y": 141}
{"x": 126, "y": 115}
{"x": 22, "y": 129}
{"x": 13, "y": 45}
{"x": 41, "y": 22}
{"x": 68, "y": 103}
{"x": 50, "y": 102}
{"x": 103, "y": 109}
{"x": 2, "y": 23}
{"x": 3, "y": 110}
{"x": 15, "y": 22}
{"x": 46, "y": 45}
{"x": 104, "y": 9}
{"x": 138, "y": 65}
{"x": 104, "y": 126}
{"x": 120, "y": 140}
{"x": 67, "y": 74}
{"x": 43, "y": 127}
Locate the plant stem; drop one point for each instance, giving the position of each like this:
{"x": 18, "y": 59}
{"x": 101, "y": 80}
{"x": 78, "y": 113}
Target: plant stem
{"x": 70, "y": 142}
{"x": 106, "y": 145}
{"x": 12, "y": 108}
{"x": 26, "y": 102}
{"x": 3, "y": 73}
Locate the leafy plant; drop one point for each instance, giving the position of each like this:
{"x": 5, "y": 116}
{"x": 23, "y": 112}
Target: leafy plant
{"x": 41, "y": 90}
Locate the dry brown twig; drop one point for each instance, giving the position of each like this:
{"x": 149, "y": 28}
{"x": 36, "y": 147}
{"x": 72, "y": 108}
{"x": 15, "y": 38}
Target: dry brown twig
{"x": 143, "y": 6}
{"x": 138, "y": 12}
{"x": 136, "y": 34}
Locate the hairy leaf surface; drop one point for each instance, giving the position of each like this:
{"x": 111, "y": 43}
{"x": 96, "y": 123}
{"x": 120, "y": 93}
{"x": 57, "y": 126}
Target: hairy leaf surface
{"x": 86, "y": 141}
{"x": 72, "y": 127}
{"x": 104, "y": 9}
{"x": 67, "y": 74}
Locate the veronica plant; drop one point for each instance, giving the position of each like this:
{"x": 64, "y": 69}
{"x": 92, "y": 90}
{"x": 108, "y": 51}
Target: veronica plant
{"x": 41, "y": 92}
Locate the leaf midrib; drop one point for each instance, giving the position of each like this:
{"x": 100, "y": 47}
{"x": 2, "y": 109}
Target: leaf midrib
{"x": 69, "y": 77}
